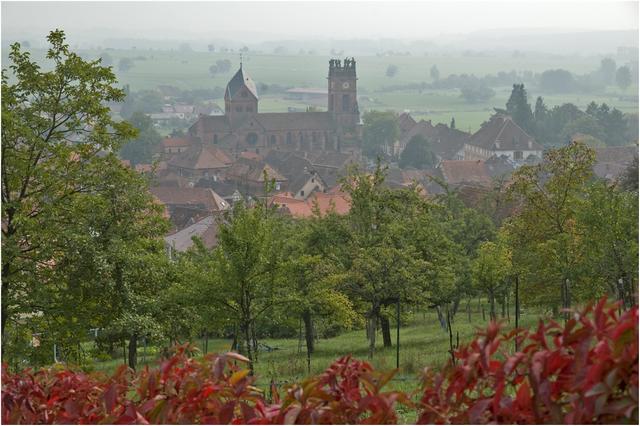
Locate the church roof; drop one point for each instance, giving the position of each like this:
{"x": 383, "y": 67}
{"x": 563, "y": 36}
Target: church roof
{"x": 240, "y": 79}
{"x": 274, "y": 121}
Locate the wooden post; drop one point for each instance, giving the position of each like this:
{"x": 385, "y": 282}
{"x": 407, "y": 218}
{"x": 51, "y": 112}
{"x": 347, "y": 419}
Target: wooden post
{"x": 517, "y": 309}
{"x": 398, "y": 333}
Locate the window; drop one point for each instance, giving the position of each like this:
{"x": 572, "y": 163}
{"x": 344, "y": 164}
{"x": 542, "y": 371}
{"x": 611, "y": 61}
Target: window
{"x": 272, "y": 140}
{"x": 302, "y": 193}
{"x": 289, "y": 139}
{"x": 277, "y": 186}
{"x": 252, "y": 139}
{"x": 345, "y": 103}
{"x": 517, "y": 155}
{"x": 238, "y": 109}
{"x": 215, "y": 139}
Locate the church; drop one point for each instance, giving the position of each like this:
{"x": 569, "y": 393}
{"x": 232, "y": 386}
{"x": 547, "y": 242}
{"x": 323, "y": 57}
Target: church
{"x": 243, "y": 128}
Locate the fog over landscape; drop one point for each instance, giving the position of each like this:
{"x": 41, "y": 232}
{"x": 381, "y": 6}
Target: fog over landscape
{"x": 566, "y": 27}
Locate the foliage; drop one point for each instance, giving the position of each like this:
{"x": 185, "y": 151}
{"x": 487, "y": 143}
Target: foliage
{"x": 418, "y": 154}
{"x": 391, "y": 71}
{"x": 67, "y": 201}
{"x": 434, "y": 73}
{"x": 380, "y": 131}
{"x": 491, "y": 269}
{"x": 142, "y": 148}
{"x": 476, "y": 93}
{"x": 519, "y": 108}
{"x": 557, "y": 81}
{"x": 583, "y": 372}
{"x": 623, "y": 77}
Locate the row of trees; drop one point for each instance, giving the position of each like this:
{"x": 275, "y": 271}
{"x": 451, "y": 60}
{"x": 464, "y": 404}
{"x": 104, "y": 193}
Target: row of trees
{"x": 557, "y": 126}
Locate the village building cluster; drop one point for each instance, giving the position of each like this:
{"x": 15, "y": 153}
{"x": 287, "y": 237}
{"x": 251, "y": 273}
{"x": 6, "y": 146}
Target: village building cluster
{"x": 225, "y": 158}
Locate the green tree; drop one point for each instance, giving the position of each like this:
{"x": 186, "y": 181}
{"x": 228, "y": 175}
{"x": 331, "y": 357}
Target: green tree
{"x": 519, "y": 108}
{"x": 243, "y": 274}
{"x": 418, "y": 154}
{"x": 55, "y": 123}
{"x": 476, "y": 93}
{"x": 490, "y": 271}
{"x": 557, "y": 81}
{"x": 623, "y": 77}
{"x": 607, "y": 70}
{"x": 543, "y": 235}
{"x": 607, "y": 222}
{"x": 584, "y": 124}
{"x": 453, "y": 123}
{"x": 434, "y": 73}
{"x": 380, "y": 132}
{"x": 142, "y": 148}
{"x": 391, "y": 71}
{"x": 80, "y": 231}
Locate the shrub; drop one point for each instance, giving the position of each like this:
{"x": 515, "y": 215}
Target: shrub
{"x": 583, "y": 372}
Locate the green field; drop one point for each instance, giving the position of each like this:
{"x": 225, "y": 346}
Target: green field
{"x": 189, "y": 70}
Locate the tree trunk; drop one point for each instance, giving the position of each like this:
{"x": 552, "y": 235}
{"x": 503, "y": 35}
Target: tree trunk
{"x": 133, "y": 351}
{"x": 308, "y": 331}
{"x": 386, "y": 331}
{"x": 246, "y": 331}
{"x": 373, "y": 325}
{"x": 492, "y": 301}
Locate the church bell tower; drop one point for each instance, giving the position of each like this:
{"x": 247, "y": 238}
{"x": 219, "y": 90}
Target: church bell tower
{"x": 343, "y": 95}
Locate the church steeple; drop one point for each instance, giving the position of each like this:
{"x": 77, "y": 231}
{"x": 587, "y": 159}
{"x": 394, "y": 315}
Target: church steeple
{"x": 343, "y": 94}
{"x": 241, "y": 95}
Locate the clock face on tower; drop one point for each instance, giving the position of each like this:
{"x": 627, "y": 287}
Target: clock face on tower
{"x": 345, "y": 85}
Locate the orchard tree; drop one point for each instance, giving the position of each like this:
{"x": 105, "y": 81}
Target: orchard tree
{"x": 490, "y": 271}
{"x": 55, "y": 127}
{"x": 543, "y": 235}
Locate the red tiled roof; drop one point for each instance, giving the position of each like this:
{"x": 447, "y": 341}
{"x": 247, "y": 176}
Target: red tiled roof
{"x": 204, "y": 197}
{"x": 338, "y": 202}
{"x": 501, "y": 133}
{"x": 175, "y": 142}
{"x": 465, "y": 171}
{"x": 199, "y": 157}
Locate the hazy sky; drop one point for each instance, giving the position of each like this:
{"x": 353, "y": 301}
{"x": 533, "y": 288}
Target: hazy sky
{"x": 327, "y": 19}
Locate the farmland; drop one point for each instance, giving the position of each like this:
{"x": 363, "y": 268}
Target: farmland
{"x": 189, "y": 70}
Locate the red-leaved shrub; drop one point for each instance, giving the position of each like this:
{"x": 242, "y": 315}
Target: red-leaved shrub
{"x": 583, "y": 372}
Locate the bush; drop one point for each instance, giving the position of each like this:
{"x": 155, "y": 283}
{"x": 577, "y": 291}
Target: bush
{"x": 583, "y": 372}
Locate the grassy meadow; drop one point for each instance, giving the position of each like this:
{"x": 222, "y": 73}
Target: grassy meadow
{"x": 190, "y": 70}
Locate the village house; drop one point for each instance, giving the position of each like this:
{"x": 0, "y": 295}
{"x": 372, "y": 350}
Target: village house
{"x": 186, "y": 205}
{"x": 205, "y": 229}
{"x": 175, "y": 145}
{"x": 446, "y": 143}
{"x": 303, "y": 179}
{"x": 200, "y": 161}
{"x": 249, "y": 176}
{"x": 611, "y": 162}
{"x": 501, "y": 136}
{"x": 321, "y": 203}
